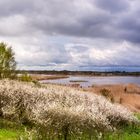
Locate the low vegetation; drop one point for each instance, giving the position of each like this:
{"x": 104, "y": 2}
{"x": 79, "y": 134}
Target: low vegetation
{"x": 25, "y": 77}
{"x": 62, "y": 112}
{"x": 14, "y": 131}
{"x": 40, "y": 77}
{"x": 107, "y": 94}
{"x": 126, "y": 94}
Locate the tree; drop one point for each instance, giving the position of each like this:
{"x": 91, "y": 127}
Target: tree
{"x": 7, "y": 62}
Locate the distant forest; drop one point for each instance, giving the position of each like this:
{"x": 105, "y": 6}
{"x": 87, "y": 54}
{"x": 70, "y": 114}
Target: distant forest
{"x": 91, "y": 73}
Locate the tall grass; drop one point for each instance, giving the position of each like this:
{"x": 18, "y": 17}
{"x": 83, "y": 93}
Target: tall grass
{"x": 61, "y": 112}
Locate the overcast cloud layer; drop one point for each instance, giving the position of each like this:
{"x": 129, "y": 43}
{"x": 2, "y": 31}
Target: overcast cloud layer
{"x": 71, "y": 34}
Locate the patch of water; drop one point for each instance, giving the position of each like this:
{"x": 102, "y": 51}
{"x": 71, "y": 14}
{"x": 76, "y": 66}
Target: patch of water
{"x": 89, "y": 81}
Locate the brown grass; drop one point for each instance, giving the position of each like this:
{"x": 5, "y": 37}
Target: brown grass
{"x": 127, "y": 95}
{"x": 47, "y": 77}
{"x": 77, "y": 81}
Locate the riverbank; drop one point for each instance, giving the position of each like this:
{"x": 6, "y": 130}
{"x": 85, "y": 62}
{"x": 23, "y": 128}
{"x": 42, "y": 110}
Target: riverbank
{"x": 40, "y": 77}
{"x": 126, "y": 94}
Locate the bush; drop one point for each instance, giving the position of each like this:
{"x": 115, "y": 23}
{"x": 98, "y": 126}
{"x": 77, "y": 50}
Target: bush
{"x": 107, "y": 94}
{"x": 25, "y": 77}
{"x": 59, "y": 111}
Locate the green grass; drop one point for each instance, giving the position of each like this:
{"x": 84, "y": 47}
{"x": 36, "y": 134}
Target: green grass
{"x": 8, "y": 134}
{"x": 128, "y": 133}
{"x": 137, "y": 115}
{"x": 13, "y": 131}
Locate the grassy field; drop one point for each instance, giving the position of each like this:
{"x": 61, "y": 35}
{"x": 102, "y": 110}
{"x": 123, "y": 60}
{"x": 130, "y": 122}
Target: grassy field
{"x": 17, "y": 132}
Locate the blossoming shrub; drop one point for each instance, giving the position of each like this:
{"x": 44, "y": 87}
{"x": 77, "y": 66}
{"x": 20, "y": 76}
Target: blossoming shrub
{"x": 59, "y": 110}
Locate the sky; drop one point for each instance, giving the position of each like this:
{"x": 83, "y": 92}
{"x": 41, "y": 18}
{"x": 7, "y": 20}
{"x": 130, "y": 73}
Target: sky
{"x": 71, "y": 34}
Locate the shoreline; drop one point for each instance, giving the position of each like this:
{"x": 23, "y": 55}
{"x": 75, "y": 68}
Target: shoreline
{"x": 82, "y": 73}
{"x": 40, "y": 77}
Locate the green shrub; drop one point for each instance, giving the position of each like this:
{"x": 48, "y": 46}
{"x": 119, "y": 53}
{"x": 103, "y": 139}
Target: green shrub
{"x": 36, "y": 83}
{"x": 7, "y": 62}
{"x": 107, "y": 94}
{"x": 25, "y": 77}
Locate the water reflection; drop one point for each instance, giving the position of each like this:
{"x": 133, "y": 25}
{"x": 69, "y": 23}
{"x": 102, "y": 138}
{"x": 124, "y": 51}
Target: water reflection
{"x": 86, "y": 81}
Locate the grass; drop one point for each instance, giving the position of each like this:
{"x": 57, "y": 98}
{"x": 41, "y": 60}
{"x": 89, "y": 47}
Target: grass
{"x": 10, "y": 130}
{"x": 125, "y": 94}
{"x": 78, "y": 81}
{"x": 15, "y": 135}
{"x": 138, "y": 115}
{"x": 14, "y": 131}
{"x": 8, "y": 134}
{"x": 40, "y": 77}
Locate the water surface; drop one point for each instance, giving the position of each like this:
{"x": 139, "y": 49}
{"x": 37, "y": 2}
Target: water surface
{"x": 89, "y": 81}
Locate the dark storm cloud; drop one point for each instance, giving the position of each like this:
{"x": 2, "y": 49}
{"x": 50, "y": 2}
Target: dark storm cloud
{"x": 129, "y": 26}
{"x": 113, "y": 5}
{"x": 86, "y": 18}
{"x": 53, "y": 32}
{"x": 74, "y": 20}
{"x": 95, "y": 19}
{"x": 10, "y": 8}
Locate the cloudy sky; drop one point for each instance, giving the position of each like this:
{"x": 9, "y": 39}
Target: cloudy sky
{"x": 72, "y": 34}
